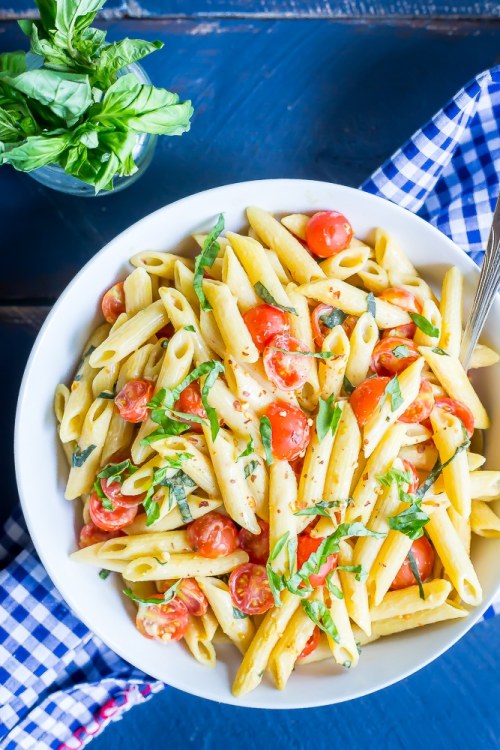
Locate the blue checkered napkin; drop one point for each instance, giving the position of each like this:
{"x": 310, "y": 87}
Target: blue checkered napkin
{"x": 59, "y": 684}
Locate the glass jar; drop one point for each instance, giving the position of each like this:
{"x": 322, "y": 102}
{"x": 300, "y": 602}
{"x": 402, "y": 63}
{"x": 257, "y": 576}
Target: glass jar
{"x": 54, "y": 176}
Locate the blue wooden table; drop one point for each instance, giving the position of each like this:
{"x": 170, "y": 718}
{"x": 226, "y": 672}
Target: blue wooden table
{"x": 295, "y": 88}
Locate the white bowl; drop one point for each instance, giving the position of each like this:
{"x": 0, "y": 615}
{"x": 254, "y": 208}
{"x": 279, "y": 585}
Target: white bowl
{"x": 41, "y": 469}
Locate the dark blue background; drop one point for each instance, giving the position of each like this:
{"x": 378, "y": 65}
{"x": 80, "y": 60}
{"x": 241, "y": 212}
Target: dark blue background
{"x": 280, "y": 89}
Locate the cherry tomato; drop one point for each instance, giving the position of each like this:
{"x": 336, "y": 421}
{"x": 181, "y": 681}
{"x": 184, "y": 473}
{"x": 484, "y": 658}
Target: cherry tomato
{"x": 386, "y": 362}
{"x": 213, "y": 535}
{"x": 290, "y": 430}
{"x": 311, "y": 644}
{"x": 256, "y": 545}
{"x": 133, "y": 398}
{"x": 92, "y": 534}
{"x": 110, "y": 520}
{"x": 406, "y": 331}
{"x": 413, "y": 486}
{"x": 163, "y": 622}
{"x": 264, "y": 323}
{"x": 193, "y": 597}
{"x": 113, "y": 492}
{"x": 306, "y": 546}
{"x": 423, "y": 552}
{"x": 166, "y": 332}
{"x": 190, "y": 402}
{"x": 285, "y": 369}
{"x": 458, "y": 409}
{"x": 320, "y": 331}
{"x": 349, "y": 325}
{"x": 113, "y": 303}
{"x": 297, "y": 465}
{"x": 327, "y": 233}
{"x": 249, "y": 589}
{"x": 366, "y": 397}
{"x": 401, "y": 298}
{"x": 420, "y": 409}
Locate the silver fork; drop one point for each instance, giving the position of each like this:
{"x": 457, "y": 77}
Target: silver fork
{"x": 487, "y": 287}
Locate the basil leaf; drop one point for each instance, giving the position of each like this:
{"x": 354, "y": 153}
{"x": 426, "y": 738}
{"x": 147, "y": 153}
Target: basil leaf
{"x": 347, "y": 385}
{"x": 166, "y": 430}
{"x": 395, "y": 476}
{"x": 320, "y": 615}
{"x": 416, "y": 573}
{"x": 401, "y": 351}
{"x": 67, "y": 95}
{"x": 12, "y": 63}
{"x": 215, "y": 369}
{"x": 410, "y": 521}
{"x": 361, "y": 574}
{"x": 35, "y": 152}
{"x": 334, "y": 318}
{"x": 371, "y": 306}
{"x": 250, "y": 468}
{"x": 107, "y": 503}
{"x": 78, "y": 457}
{"x": 156, "y": 601}
{"x": 238, "y": 614}
{"x": 104, "y": 574}
{"x": 107, "y": 394}
{"x": 424, "y": 325}
{"x": 248, "y": 450}
{"x": 152, "y": 510}
{"x": 436, "y": 470}
{"x": 71, "y": 17}
{"x": 393, "y": 390}
{"x": 438, "y": 350}
{"x": 318, "y": 355}
{"x": 318, "y": 509}
{"x": 118, "y": 55}
{"x": 276, "y": 584}
{"x": 332, "y": 588}
{"x": 206, "y": 259}
{"x": 192, "y": 329}
{"x": 266, "y": 296}
{"x": 327, "y": 418}
{"x": 279, "y": 546}
{"x": 179, "y": 492}
{"x": 266, "y": 435}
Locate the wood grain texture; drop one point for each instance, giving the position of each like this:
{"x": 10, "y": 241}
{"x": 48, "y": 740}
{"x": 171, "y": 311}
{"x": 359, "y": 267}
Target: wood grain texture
{"x": 326, "y": 100}
{"x": 278, "y": 8}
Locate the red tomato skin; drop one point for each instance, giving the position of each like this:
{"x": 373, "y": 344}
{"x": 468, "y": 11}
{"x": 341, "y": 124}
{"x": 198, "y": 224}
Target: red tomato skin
{"x": 384, "y": 362}
{"x": 193, "y": 597}
{"x": 113, "y": 303}
{"x": 408, "y": 466}
{"x": 401, "y": 298}
{"x": 113, "y": 492}
{"x": 166, "y": 332}
{"x": 110, "y": 520}
{"x": 319, "y": 330}
{"x": 327, "y": 233}
{"x": 92, "y": 534}
{"x": 256, "y": 545}
{"x": 249, "y": 589}
{"x": 264, "y": 323}
{"x": 213, "y": 535}
{"x": 366, "y": 397}
{"x": 290, "y": 430}
{"x": 190, "y": 402}
{"x": 458, "y": 409}
{"x": 420, "y": 409}
{"x": 423, "y": 552}
{"x": 286, "y": 370}
{"x": 312, "y": 643}
{"x": 165, "y": 622}
{"x": 305, "y": 548}
{"x": 406, "y": 331}
{"x": 133, "y": 398}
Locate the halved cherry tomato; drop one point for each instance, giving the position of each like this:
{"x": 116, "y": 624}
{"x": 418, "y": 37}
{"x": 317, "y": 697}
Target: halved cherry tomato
{"x": 264, "y": 323}
{"x": 92, "y": 534}
{"x": 306, "y": 546}
{"x": 190, "y": 402}
{"x": 163, "y": 622}
{"x": 406, "y": 331}
{"x": 113, "y": 303}
{"x": 249, "y": 589}
{"x": 458, "y": 409}
{"x": 166, "y": 332}
{"x": 413, "y": 485}
{"x": 327, "y": 233}
{"x": 311, "y": 644}
{"x": 420, "y": 409}
{"x": 423, "y": 552}
{"x": 401, "y": 298}
{"x": 366, "y": 397}
{"x": 256, "y": 545}
{"x": 386, "y": 362}
{"x": 110, "y": 520}
{"x": 213, "y": 535}
{"x": 285, "y": 369}
{"x": 113, "y": 492}
{"x": 290, "y": 430}
{"x": 133, "y": 398}
{"x": 193, "y": 597}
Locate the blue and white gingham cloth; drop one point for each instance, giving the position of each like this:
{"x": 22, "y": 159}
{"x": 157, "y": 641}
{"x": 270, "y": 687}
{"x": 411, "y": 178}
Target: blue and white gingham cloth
{"x": 59, "y": 684}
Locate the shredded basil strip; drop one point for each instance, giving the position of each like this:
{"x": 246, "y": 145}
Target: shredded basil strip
{"x": 334, "y": 318}
{"x": 238, "y": 614}
{"x": 79, "y": 457}
{"x": 250, "y": 468}
{"x": 116, "y": 472}
{"x": 371, "y": 305}
{"x": 410, "y": 521}
{"x": 348, "y": 386}
{"x": 416, "y": 573}
{"x": 395, "y": 476}
{"x": 152, "y": 510}
{"x": 360, "y": 573}
{"x": 436, "y": 470}
{"x": 320, "y": 615}
{"x": 276, "y": 582}
{"x": 319, "y": 508}
{"x": 248, "y": 450}
{"x": 206, "y": 259}
{"x": 332, "y": 588}
{"x": 167, "y": 596}
{"x": 214, "y": 371}
{"x": 401, "y": 351}
{"x": 438, "y": 350}
{"x": 266, "y": 296}
{"x": 393, "y": 391}
{"x": 328, "y": 417}
{"x": 266, "y": 434}
{"x": 318, "y": 355}
{"x": 103, "y": 573}
{"x": 192, "y": 329}
{"x": 107, "y": 394}
{"x": 424, "y": 325}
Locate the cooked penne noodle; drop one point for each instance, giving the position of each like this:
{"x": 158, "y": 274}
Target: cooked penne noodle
{"x": 300, "y": 328}
{"x": 367, "y": 548}
{"x": 362, "y": 342}
{"x": 449, "y": 438}
{"x": 182, "y": 316}
{"x": 182, "y": 565}
{"x": 483, "y": 356}
{"x": 346, "y": 263}
{"x": 183, "y": 280}
{"x": 389, "y": 255}
{"x": 398, "y": 624}
{"x": 296, "y": 224}
{"x": 235, "y": 334}
{"x": 160, "y": 264}
{"x": 390, "y": 558}
{"x": 430, "y": 311}
{"x": 484, "y": 521}
{"x": 198, "y": 643}
{"x": 354, "y": 589}
{"x": 198, "y": 506}
{"x": 407, "y": 601}
{"x": 314, "y": 473}
{"x": 484, "y": 485}
{"x": 282, "y": 503}
{"x": 462, "y": 525}
{"x": 145, "y": 545}
{"x": 138, "y": 291}
{"x": 331, "y": 371}
{"x": 235, "y": 276}
{"x": 451, "y": 311}
{"x": 239, "y": 629}
{"x": 86, "y": 456}
{"x": 345, "y": 650}
{"x": 373, "y": 277}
